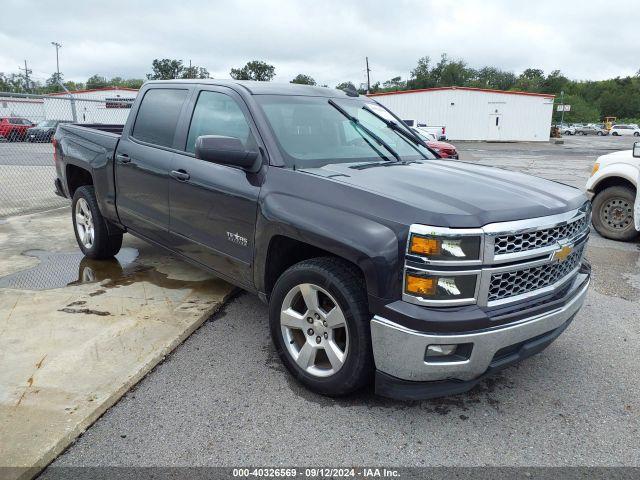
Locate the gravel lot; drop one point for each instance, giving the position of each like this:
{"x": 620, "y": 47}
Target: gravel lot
{"x": 223, "y": 399}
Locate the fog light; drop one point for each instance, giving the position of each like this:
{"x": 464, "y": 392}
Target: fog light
{"x": 440, "y": 350}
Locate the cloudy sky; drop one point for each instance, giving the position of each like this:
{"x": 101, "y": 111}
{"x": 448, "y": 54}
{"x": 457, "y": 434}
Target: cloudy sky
{"x": 327, "y": 39}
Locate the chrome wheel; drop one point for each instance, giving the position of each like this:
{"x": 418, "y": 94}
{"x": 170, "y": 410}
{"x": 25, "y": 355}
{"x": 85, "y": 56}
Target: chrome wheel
{"x": 84, "y": 223}
{"x": 314, "y": 330}
{"x": 617, "y": 214}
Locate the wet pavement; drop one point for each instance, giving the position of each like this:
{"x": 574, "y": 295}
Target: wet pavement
{"x": 76, "y": 334}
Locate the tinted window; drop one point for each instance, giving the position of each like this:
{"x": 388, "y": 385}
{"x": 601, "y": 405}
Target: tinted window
{"x": 15, "y": 121}
{"x": 218, "y": 114}
{"x": 158, "y": 116}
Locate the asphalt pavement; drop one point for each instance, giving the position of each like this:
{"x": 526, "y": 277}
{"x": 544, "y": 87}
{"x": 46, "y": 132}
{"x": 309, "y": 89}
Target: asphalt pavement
{"x": 223, "y": 399}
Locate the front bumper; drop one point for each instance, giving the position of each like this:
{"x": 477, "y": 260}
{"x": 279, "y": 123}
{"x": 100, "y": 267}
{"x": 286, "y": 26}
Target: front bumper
{"x": 399, "y": 352}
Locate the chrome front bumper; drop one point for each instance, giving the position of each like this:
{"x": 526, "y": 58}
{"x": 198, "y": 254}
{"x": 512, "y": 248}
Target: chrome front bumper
{"x": 400, "y": 352}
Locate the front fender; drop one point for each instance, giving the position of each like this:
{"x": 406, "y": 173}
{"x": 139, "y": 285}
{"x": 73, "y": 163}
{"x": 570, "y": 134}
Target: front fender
{"x": 375, "y": 248}
{"x": 620, "y": 170}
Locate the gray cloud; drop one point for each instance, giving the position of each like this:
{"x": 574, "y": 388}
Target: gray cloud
{"x": 327, "y": 39}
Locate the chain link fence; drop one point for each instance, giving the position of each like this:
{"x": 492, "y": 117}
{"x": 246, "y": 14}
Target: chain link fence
{"x": 27, "y": 126}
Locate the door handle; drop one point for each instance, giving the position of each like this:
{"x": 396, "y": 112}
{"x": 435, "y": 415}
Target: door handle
{"x": 180, "y": 175}
{"x": 123, "y": 157}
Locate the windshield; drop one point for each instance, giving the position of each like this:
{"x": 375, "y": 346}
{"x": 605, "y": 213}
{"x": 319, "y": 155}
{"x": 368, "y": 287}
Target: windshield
{"x": 311, "y": 132}
{"x": 47, "y": 123}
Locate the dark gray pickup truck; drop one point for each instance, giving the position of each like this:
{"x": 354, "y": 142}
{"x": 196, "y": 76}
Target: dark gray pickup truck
{"x": 379, "y": 261}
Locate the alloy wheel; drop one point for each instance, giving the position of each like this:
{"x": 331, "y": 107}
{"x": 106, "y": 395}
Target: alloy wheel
{"x": 314, "y": 330}
{"x": 84, "y": 223}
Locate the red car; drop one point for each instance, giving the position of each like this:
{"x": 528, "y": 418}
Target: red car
{"x": 14, "y": 129}
{"x": 444, "y": 149}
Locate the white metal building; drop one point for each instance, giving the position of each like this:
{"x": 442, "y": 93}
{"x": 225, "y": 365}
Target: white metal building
{"x": 101, "y": 105}
{"x": 475, "y": 113}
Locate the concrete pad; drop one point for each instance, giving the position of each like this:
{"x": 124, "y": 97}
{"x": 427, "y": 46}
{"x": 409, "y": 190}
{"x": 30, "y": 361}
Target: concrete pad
{"x": 76, "y": 334}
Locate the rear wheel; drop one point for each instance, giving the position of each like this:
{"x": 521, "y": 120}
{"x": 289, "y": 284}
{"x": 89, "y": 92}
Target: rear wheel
{"x": 600, "y": 134}
{"x": 613, "y": 213}
{"x": 90, "y": 226}
{"x": 636, "y": 134}
{"x": 319, "y": 324}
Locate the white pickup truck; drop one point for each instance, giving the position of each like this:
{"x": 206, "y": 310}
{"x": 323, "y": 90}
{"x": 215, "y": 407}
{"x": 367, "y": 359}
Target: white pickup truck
{"x": 614, "y": 190}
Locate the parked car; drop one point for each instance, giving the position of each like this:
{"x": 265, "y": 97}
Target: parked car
{"x": 591, "y": 129}
{"x": 376, "y": 259}
{"x": 43, "y": 131}
{"x": 443, "y": 149}
{"x": 567, "y": 129}
{"x": 14, "y": 129}
{"x": 613, "y": 187}
{"x": 439, "y": 131}
{"x": 625, "y": 130}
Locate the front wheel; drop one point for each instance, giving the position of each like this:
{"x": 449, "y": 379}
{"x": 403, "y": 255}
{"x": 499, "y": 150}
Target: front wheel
{"x": 613, "y": 213}
{"x": 600, "y": 134}
{"x": 319, "y": 324}
{"x": 636, "y": 134}
{"x": 90, "y": 226}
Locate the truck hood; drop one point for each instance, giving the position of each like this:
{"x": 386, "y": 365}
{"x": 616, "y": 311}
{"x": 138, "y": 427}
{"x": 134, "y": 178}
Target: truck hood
{"x": 457, "y": 194}
{"x": 625, "y": 156}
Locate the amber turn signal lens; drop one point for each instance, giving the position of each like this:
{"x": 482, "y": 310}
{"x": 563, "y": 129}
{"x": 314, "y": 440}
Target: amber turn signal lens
{"x": 425, "y": 245}
{"x": 596, "y": 167}
{"x": 421, "y": 285}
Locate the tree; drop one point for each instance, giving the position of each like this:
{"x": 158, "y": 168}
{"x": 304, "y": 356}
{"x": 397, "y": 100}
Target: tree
{"x": 53, "y": 82}
{"x": 346, "y": 86}
{"x": 165, "y": 69}
{"x": 530, "y": 80}
{"x": 395, "y": 83}
{"x": 254, "y": 70}
{"x": 96, "y": 81}
{"x": 303, "y": 79}
{"x": 195, "y": 72}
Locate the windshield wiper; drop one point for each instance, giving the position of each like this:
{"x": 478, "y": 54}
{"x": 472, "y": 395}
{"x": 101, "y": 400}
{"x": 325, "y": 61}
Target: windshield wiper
{"x": 397, "y": 128}
{"x": 356, "y": 122}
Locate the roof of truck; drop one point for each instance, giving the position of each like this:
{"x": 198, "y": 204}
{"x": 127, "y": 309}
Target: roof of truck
{"x": 265, "y": 88}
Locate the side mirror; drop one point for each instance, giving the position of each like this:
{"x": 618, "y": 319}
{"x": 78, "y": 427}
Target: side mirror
{"x": 636, "y": 149}
{"x": 226, "y": 151}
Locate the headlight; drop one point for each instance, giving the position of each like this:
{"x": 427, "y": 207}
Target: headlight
{"x": 452, "y": 248}
{"x": 441, "y": 286}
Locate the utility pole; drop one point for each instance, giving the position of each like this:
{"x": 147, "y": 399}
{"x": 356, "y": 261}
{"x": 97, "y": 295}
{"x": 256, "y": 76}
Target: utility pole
{"x": 26, "y": 74}
{"x": 368, "y": 79}
{"x": 562, "y": 101}
{"x": 58, "y": 47}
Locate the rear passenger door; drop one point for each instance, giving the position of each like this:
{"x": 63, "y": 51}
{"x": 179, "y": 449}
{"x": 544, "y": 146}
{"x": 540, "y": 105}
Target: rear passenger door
{"x": 143, "y": 162}
{"x": 212, "y": 206}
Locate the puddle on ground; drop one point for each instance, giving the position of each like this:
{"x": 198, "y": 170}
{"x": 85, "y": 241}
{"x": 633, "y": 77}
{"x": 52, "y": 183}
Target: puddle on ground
{"x": 59, "y": 269}
{"x": 62, "y": 269}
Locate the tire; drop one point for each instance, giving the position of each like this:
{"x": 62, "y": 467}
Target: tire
{"x": 636, "y": 134}
{"x": 333, "y": 283}
{"x": 90, "y": 226}
{"x": 613, "y": 213}
{"x": 600, "y": 134}
{"x": 615, "y": 134}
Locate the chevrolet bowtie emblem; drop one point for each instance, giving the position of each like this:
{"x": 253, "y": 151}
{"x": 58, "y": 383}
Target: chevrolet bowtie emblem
{"x": 562, "y": 254}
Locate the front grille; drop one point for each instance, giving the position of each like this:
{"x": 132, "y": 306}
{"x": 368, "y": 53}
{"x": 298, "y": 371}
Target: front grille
{"x": 522, "y": 242}
{"x": 517, "y": 282}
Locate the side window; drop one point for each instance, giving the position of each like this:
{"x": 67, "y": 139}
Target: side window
{"x": 158, "y": 116}
{"x": 218, "y": 114}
